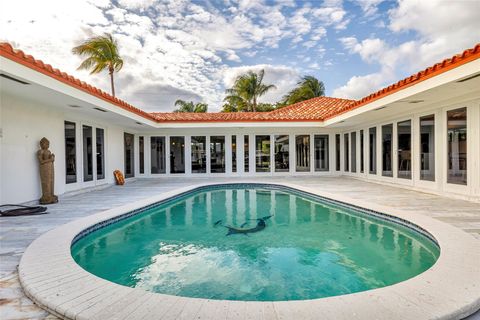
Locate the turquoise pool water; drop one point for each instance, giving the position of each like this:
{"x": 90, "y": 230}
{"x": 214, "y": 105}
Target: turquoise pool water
{"x": 307, "y": 249}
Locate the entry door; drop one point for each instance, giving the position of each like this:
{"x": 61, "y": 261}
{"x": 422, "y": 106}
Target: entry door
{"x": 129, "y": 155}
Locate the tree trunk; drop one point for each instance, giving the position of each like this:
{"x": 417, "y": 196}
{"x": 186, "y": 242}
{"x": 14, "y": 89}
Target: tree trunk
{"x": 111, "y": 82}
{"x": 254, "y": 104}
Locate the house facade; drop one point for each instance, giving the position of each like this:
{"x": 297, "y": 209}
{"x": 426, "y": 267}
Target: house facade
{"x": 422, "y": 133}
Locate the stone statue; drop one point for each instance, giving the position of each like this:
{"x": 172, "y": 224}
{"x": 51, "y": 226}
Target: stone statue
{"x": 46, "y": 159}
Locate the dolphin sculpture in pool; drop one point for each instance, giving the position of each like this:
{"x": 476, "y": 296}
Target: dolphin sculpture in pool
{"x": 261, "y": 224}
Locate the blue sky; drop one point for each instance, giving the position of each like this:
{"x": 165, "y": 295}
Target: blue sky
{"x": 193, "y": 50}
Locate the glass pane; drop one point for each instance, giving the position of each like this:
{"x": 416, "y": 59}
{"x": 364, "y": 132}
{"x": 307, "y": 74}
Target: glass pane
{"x": 141, "y": 154}
{"x": 246, "y": 152}
{"x": 321, "y": 152}
{"x": 387, "y": 131}
{"x": 345, "y": 155}
{"x": 87, "y": 153}
{"x": 362, "y": 156}
{"x": 427, "y": 148}
{"x": 217, "y": 154}
{"x": 353, "y": 151}
{"x": 372, "y": 150}
{"x": 457, "y": 146}
{"x": 70, "y": 153}
{"x": 404, "y": 138}
{"x": 100, "y": 153}
{"x": 199, "y": 155}
{"x": 337, "y": 152}
{"x": 157, "y": 154}
{"x": 281, "y": 154}
{"x": 302, "y": 151}
{"x": 234, "y": 153}
{"x": 129, "y": 160}
{"x": 177, "y": 154}
{"x": 262, "y": 150}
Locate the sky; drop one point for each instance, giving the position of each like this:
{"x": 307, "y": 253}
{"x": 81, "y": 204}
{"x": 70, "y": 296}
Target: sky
{"x": 194, "y": 50}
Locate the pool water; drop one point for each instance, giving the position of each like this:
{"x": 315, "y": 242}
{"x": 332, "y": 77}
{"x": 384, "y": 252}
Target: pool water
{"x": 309, "y": 248}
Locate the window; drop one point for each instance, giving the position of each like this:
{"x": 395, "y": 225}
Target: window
{"x": 199, "y": 155}
{"x": 337, "y": 152}
{"x": 321, "y": 152}
{"x": 281, "y": 154}
{"x": 427, "y": 148}
{"x": 234, "y": 153}
{"x": 217, "y": 154}
{"x": 128, "y": 155}
{"x": 372, "y": 150}
{"x": 70, "y": 153}
{"x": 141, "y": 154}
{"x": 262, "y": 150}
{"x": 87, "y": 153}
{"x": 302, "y": 150}
{"x": 457, "y": 146}
{"x": 246, "y": 151}
{"x": 177, "y": 154}
{"x": 404, "y": 138}
{"x": 157, "y": 155}
{"x": 345, "y": 155}
{"x": 353, "y": 152}
{"x": 100, "y": 133}
{"x": 362, "y": 156}
{"x": 387, "y": 150}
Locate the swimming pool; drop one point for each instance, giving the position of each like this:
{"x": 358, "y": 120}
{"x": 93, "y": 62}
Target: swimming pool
{"x": 309, "y": 247}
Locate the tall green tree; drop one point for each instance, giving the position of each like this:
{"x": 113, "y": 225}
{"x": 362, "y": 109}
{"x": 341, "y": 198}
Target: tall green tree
{"x": 101, "y": 53}
{"x": 190, "y": 106}
{"x": 307, "y": 88}
{"x": 246, "y": 90}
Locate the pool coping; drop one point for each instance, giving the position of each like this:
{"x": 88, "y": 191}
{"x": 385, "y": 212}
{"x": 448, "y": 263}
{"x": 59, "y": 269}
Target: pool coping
{"x": 450, "y": 289}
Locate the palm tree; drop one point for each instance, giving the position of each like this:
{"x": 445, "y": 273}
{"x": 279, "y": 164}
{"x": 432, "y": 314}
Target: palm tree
{"x": 247, "y": 89}
{"x": 101, "y": 53}
{"x": 307, "y": 88}
{"x": 190, "y": 106}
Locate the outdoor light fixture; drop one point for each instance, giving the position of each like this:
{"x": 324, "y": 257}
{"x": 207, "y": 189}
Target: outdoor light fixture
{"x": 74, "y": 106}
{"x": 416, "y": 101}
{"x": 380, "y": 108}
{"x": 101, "y": 110}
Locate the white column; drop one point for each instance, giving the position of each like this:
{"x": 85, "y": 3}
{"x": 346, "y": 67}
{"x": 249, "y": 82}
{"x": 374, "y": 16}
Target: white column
{"x": 331, "y": 152}
{"x": 207, "y": 151}
{"x": 292, "y": 156}
{"x": 379, "y": 151}
{"x": 252, "y": 153}
{"x": 188, "y": 155}
{"x": 240, "y": 154}
{"x": 395, "y": 149}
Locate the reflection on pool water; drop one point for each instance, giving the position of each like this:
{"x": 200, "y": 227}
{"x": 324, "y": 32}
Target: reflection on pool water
{"x": 308, "y": 249}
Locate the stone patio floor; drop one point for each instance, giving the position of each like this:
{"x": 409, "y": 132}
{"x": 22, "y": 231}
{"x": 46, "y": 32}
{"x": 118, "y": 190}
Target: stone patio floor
{"x": 16, "y": 233}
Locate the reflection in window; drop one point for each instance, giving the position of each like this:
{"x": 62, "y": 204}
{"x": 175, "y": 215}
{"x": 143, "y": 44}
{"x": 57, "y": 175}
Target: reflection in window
{"x": 337, "y": 152}
{"x": 262, "y": 150}
{"x": 100, "y": 153}
{"x": 199, "y": 155}
{"x": 321, "y": 152}
{"x": 427, "y": 148}
{"x": 141, "y": 154}
{"x": 177, "y": 154}
{"x": 387, "y": 150}
{"x": 128, "y": 154}
{"x": 87, "y": 153}
{"x": 362, "y": 156}
{"x": 345, "y": 155}
{"x": 302, "y": 150}
{"x": 457, "y": 146}
{"x": 353, "y": 152}
{"x": 372, "y": 150}
{"x": 246, "y": 151}
{"x": 234, "y": 153}
{"x": 70, "y": 153}
{"x": 217, "y": 154}
{"x": 281, "y": 154}
{"x": 157, "y": 154}
{"x": 404, "y": 139}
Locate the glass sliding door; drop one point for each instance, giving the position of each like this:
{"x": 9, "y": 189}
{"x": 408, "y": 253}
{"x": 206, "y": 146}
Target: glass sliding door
{"x": 177, "y": 154}
{"x": 128, "y": 154}
{"x": 246, "y": 152}
{"x": 387, "y": 131}
{"x": 262, "y": 150}
{"x": 70, "y": 153}
{"x": 337, "y": 152}
{"x": 457, "y": 146}
{"x": 302, "y": 151}
{"x": 100, "y": 135}
{"x": 372, "y": 150}
{"x": 141, "y": 154}
{"x": 321, "y": 152}
{"x": 427, "y": 148}
{"x": 404, "y": 138}
{"x": 362, "y": 156}
{"x": 157, "y": 155}
{"x": 282, "y": 159}
{"x": 234, "y": 153}
{"x": 87, "y": 153}
{"x": 217, "y": 154}
{"x": 198, "y": 146}
{"x": 345, "y": 154}
{"x": 353, "y": 152}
